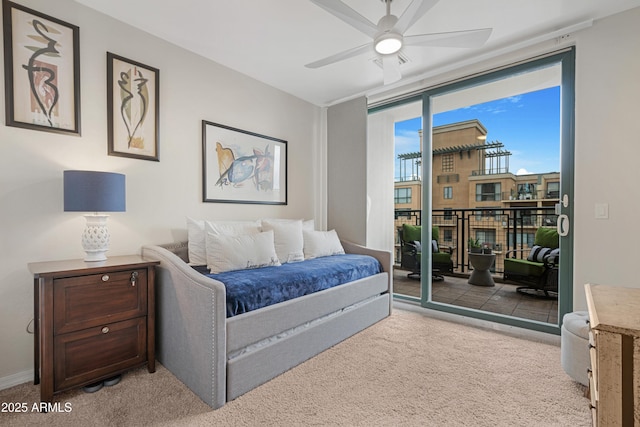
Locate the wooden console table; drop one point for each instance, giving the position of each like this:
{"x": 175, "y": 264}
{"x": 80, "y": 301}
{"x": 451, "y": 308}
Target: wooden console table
{"x": 93, "y": 320}
{"x": 614, "y": 378}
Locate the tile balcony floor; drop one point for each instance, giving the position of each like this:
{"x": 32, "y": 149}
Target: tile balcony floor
{"x": 502, "y": 298}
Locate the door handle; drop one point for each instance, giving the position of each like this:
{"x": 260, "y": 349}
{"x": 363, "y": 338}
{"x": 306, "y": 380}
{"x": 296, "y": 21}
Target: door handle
{"x": 563, "y": 225}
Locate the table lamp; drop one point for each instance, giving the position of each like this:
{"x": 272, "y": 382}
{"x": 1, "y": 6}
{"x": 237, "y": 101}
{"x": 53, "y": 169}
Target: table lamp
{"x": 88, "y": 191}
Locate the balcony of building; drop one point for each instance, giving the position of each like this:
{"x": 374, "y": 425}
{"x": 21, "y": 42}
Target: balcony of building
{"x": 500, "y": 229}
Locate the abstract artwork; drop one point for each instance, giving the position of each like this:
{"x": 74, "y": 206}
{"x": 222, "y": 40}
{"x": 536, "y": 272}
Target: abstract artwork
{"x": 42, "y": 71}
{"x": 132, "y": 108}
{"x": 243, "y": 167}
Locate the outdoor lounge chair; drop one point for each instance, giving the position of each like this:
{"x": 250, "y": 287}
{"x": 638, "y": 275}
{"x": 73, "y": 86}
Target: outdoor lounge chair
{"x": 537, "y": 272}
{"x": 411, "y": 252}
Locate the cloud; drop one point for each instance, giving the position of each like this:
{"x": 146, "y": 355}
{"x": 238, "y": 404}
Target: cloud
{"x": 523, "y": 171}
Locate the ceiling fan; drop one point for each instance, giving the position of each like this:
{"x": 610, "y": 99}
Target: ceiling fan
{"x": 388, "y": 35}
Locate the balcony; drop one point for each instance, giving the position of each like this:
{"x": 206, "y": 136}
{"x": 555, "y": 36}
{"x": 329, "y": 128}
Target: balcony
{"x": 501, "y": 229}
{"x": 531, "y": 195}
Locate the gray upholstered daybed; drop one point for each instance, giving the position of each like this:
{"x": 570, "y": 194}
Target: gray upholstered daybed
{"x": 221, "y": 358}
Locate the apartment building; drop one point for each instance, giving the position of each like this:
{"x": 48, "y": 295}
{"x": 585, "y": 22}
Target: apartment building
{"x": 474, "y": 194}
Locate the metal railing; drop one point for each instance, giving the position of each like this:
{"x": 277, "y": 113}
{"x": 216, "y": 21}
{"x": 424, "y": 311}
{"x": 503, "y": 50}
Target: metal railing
{"x": 531, "y": 195}
{"x": 502, "y": 230}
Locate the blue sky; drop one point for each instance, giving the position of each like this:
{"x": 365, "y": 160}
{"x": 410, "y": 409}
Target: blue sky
{"x": 528, "y": 125}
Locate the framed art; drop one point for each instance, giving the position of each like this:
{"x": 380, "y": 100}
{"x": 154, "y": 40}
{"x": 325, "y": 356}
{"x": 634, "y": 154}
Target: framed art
{"x": 133, "y": 101}
{"x": 242, "y": 167}
{"x": 42, "y": 71}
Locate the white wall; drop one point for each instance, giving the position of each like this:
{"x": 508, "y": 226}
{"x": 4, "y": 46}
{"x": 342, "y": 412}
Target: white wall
{"x": 347, "y": 175}
{"x": 360, "y": 179}
{"x": 607, "y": 154}
{"x": 33, "y": 226}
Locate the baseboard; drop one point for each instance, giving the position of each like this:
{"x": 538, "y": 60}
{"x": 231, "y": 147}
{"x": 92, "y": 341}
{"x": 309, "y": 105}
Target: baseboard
{"x": 15, "y": 379}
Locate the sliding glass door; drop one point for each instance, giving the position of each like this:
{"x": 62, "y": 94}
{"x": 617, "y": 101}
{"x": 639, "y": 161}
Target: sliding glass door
{"x": 478, "y": 169}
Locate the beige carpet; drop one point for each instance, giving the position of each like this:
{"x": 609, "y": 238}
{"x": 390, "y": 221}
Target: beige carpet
{"x": 407, "y": 370}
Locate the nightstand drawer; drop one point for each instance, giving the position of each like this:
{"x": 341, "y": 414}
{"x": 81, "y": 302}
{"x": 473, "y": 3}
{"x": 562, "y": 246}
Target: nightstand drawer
{"x": 97, "y": 352}
{"x": 86, "y": 301}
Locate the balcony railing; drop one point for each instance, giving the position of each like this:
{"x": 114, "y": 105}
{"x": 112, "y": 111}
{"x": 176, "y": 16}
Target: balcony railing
{"x": 531, "y": 195}
{"x": 501, "y": 229}
{"x": 522, "y": 196}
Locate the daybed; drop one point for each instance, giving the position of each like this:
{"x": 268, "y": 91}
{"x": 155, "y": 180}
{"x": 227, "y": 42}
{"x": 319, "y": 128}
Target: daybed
{"x": 220, "y": 358}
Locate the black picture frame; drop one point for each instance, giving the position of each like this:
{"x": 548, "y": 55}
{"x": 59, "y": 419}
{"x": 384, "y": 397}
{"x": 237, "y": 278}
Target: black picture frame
{"x": 133, "y": 109}
{"x": 240, "y": 166}
{"x": 42, "y": 71}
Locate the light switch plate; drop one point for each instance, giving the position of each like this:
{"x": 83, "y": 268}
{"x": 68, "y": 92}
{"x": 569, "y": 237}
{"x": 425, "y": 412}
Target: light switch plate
{"x": 602, "y": 211}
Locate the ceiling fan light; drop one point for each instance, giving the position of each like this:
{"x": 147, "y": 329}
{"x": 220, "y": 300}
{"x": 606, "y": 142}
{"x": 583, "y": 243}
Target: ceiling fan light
{"x": 388, "y": 43}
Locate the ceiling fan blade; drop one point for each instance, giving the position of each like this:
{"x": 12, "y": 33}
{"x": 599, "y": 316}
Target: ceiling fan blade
{"x": 412, "y": 13}
{"x": 341, "y": 56}
{"x": 348, "y": 15}
{"x": 390, "y": 69}
{"x": 468, "y": 38}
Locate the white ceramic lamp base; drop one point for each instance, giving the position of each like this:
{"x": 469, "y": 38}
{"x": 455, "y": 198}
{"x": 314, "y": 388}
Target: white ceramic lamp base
{"x": 95, "y": 238}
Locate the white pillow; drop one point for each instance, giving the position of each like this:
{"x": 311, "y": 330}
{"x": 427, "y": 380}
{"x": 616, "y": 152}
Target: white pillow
{"x": 227, "y": 253}
{"x": 288, "y": 239}
{"x": 231, "y": 228}
{"x": 196, "y": 245}
{"x": 197, "y": 235}
{"x": 228, "y": 228}
{"x": 321, "y": 243}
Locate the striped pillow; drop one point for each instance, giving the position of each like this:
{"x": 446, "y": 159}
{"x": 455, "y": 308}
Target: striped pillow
{"x": 554, "y": 256}
{"x": 538, "y": 253}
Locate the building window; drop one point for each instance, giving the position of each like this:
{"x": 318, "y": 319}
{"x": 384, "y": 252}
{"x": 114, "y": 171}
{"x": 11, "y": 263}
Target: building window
{"x": 447, "y": 163}
{"x": 553, "y": 190}
{"x": 448, "y": 192}
{"x": 448, "y": 214}
{"x": 447, "y": 235}
{"x": 525, "y": 239}
{"x": 488, "y": 192}
{"x": 402, "y": 195}
{"x": 526, "y": 191}
{"x": 486, "y": 237}
{"x": 526, "y": 218}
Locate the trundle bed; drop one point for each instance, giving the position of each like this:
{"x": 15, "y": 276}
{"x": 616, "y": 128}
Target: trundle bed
{"x": 220, "y": 350}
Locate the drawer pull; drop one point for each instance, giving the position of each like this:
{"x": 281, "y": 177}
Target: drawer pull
{"x": 134, "y": 278}
{"x": 105, "y": 329}
{"x": 105, "y": 278}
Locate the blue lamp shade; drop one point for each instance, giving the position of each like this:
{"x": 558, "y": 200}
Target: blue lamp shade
{"x": 88, "y": 191}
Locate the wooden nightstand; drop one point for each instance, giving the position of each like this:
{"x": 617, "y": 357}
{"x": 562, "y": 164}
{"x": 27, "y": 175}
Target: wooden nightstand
{"x": 93, "y": 320}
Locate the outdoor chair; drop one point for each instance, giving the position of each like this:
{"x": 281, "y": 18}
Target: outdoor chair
{"x": 537, "y": 272}
{"x": 411, "y": 252}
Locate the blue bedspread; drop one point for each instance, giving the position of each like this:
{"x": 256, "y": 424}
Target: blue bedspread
{"x": 256, "y": 288}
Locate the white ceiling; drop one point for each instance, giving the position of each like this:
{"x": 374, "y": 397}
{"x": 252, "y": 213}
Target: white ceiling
{"x": 271, "y": 41}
